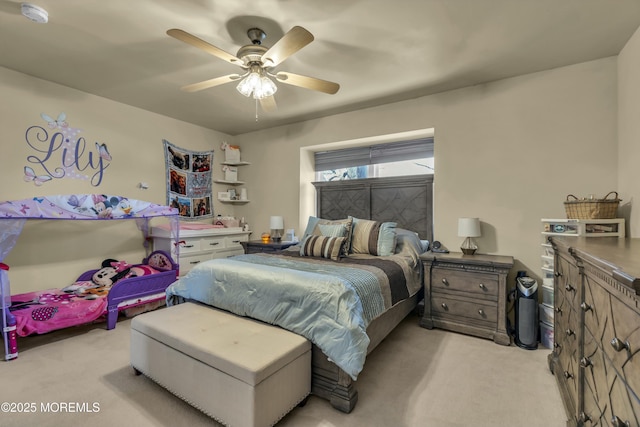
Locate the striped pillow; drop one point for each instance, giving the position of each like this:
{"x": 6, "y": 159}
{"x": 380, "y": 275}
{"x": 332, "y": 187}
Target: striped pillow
{"x": 313, "y": 228}
{"x": 373, "y": 237}
{"x": 322, "y": 246}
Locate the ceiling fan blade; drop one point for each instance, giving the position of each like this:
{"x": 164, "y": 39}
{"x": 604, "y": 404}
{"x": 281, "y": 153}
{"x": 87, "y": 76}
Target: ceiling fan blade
{"x": 201, "y": 44}
{"x": 268, "y": 103}
{"x": 308, "y": 82}
{"x": 290, "y": 43}
{"x": 211, "y": 83}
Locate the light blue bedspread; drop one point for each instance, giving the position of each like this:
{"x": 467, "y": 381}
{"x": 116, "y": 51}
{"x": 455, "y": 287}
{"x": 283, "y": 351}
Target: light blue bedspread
{"x": 326, "y": 302}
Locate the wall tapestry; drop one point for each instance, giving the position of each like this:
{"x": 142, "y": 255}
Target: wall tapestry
{"x": 189, "y": 181}
{"x": 61, "y": 153}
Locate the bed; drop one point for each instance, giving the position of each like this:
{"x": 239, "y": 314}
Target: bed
{"x": 344, "y": 303}
{"x": 97, "y": 295}
{"x": 40, "y": 312}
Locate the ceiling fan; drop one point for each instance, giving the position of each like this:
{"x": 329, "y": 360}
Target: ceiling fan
{"x": 258, "y": 63}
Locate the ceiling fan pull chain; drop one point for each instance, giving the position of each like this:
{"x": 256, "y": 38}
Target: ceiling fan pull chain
{"x": 256, "y": 110}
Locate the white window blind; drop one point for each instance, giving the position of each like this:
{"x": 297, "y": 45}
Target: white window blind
{"x": 375, "y": 154}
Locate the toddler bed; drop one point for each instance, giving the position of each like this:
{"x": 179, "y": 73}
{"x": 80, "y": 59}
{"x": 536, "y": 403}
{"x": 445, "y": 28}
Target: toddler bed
{"x": 83, "y": 301}
{"x": 96, "y": 294}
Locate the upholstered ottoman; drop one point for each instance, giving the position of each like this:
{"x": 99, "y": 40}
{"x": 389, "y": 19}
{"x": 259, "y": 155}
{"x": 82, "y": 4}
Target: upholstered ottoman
{"x": 238, "y": 371}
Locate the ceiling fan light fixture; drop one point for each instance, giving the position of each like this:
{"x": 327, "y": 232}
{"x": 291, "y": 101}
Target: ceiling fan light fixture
{"x": 267, "y": 88}
{"x": 258, "y": 85}
{"x": 248, "y": 84}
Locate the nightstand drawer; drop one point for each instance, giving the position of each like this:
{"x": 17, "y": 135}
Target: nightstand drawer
{"x": 465, "y": 282}
{"x": 457, "y": 308}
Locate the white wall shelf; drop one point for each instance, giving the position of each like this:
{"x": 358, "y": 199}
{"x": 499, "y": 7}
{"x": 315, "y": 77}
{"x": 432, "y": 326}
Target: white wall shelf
{"x": 222, "y": 181}
{"x": 236, "y": 163}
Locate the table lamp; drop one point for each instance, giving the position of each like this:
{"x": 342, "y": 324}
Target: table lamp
{"x": 277, "y": 228}
{"x": 468, "y": 228}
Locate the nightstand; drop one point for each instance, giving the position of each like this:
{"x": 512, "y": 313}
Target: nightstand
{"x": 258, "y": 246}
{"x": 467, "y": 294}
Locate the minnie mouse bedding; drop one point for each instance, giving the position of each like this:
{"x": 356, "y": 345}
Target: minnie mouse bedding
{"x": 86, "y": 300}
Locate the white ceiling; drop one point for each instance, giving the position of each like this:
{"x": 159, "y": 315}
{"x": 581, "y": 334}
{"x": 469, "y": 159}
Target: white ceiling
{"x": 379, "y": 51}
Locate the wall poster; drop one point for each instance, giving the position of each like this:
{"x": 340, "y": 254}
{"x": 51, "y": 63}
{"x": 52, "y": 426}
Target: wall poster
{"x": 189, "y": 181}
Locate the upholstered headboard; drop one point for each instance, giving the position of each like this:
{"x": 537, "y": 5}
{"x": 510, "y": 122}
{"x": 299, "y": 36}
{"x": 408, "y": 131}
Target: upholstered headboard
{"x": 407, "y": 200}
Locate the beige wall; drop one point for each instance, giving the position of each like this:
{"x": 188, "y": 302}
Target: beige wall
{"x": 53, "y": 254}
{"x": 507, "y": 152}
{"x": 629, "y": 131}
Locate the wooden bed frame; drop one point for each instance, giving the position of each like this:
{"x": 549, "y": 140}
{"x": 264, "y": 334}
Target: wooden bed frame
{"x": 332, "y": 383}
{"x": 408, "y": 201}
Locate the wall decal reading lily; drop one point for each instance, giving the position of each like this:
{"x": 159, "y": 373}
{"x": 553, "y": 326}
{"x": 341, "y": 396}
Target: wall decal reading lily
{"x": 62, "y": 153}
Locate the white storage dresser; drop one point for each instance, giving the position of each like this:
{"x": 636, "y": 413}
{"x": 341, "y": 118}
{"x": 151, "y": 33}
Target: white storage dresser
{"x": 200, "y": 245}
{"x": 239, "y": 371}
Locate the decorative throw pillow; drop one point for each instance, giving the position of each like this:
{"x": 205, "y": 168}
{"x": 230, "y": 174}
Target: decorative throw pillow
{"x": 373, "y": 237}
{"x": 332, "y": 230}
{"x": 313, "y": 228}
{"x": 322, "y": 246}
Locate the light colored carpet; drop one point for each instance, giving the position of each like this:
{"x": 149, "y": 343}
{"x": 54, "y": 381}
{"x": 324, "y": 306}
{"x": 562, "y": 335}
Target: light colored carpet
{"x": 416, "y": 377}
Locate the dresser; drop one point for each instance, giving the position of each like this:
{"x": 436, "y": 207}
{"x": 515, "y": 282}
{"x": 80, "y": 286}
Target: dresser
{"x": 467, "y": 294}
{"x": 200, "y": 245}
{"x": 597, "y": 329}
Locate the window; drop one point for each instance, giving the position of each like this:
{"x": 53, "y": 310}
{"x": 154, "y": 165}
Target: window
{"x": 414, "y": 157}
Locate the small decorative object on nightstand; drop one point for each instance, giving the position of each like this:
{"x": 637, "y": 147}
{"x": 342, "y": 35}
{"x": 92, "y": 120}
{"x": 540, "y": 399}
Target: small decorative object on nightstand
{"x": 468, "y": 228}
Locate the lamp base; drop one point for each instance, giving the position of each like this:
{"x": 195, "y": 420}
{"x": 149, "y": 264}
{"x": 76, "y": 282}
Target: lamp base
{"x": 467, "y": 251}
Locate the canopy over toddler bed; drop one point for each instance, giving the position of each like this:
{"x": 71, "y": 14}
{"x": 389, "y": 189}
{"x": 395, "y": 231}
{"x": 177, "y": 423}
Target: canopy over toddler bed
{"x": 14, "y": 214}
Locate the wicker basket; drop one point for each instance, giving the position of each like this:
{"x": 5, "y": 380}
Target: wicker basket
{"x": 592, "y": 208}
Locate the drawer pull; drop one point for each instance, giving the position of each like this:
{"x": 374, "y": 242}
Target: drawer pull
{"x": 569, "y": 288}
{"x": 619, "y": 345}
{"x": 558, "y": 310}
{"x": 214, "y": 244}
{"x": 187, "y": 246}
{"x": 584, "y": 417}
{"x": 445, "y": 306}
{"x": 556, "y": 345}
{"x": 568, "y": 375}
{"x": 482, "y": 286}
{"x": 569, "y": 332}
{"x": 236, "y": 241}
{"x": 585, "y": 362}
{"x": 585, "y": 307}
{"x": 481, "y": 312}
{"x": 445, "y": 282}
{"x": 557, "y": 274}
{"x": 194, "y": 262}
{"x": 617, "y": 422}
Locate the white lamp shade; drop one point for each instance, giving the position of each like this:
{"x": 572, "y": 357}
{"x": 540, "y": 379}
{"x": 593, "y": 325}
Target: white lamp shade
{"x": 277, "y": 223}
{"x": 468, "y": 227}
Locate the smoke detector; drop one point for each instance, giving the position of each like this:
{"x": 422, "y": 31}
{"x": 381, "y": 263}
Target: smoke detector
{"x": 35, "y": 13}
